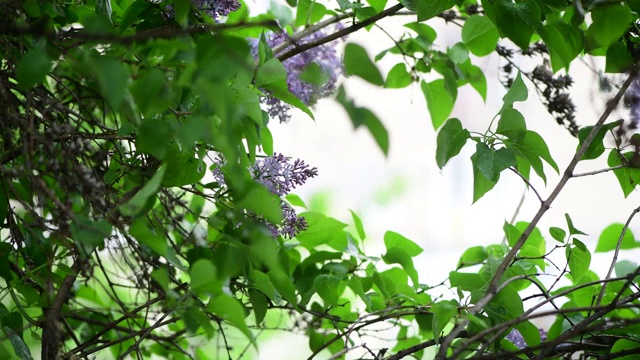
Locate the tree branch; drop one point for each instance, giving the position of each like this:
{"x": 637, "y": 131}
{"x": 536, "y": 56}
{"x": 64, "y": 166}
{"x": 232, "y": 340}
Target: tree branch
{"x": 338, "y": 34}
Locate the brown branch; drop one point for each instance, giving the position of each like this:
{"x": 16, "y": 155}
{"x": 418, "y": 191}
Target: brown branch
{"x": 51, "y": 324}
{"x": 166, "y": 32}
{"x": 338, "y": 34}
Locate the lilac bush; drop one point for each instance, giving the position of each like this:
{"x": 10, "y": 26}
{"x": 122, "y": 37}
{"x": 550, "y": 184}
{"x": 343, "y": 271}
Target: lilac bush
{"x": 325, "y": 56}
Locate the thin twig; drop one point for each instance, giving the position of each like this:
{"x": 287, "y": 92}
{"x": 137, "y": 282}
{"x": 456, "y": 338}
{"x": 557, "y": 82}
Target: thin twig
{"x": 599, "y": 171}
{"x": 616, "y": 252}
{"x": 528, "y": 183}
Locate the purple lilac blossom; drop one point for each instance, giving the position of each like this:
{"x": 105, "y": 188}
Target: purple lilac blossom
{"x": 217, "y": 8}
{"x": 632, "y": 101}
{"x": 516, "y": 338}
{"x": 213, "y": 8}
{"x": 279, "y": 176}
{"x": 325, "y": 56}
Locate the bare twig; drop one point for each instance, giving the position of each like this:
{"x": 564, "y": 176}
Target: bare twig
{"x": 599, "y": 171}
{"x": 616, "y": 252}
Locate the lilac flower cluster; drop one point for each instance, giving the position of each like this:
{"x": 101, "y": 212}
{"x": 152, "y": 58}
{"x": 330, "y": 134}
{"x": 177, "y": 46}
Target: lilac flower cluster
{"x": 516, "y": 338}
{"x": 325, "y": 56}
{"x": 213, "y": 8}
{"x": 217, "y": 8}
{"x": 279, "y": 176}
{"x": 632, "y": 101}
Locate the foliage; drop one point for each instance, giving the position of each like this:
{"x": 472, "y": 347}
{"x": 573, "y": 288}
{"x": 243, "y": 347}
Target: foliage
{"x": 144, "y": 213}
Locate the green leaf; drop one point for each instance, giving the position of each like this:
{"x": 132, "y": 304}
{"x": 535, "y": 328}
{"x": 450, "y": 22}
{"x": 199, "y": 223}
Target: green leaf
{"x": 466, "y": 281}
{"x": 295, "y": 200}
{"x": 572, "y": 229}
{"x": 357, "y": 62}
{"x": 183, "y": 169}
{"x": 262, "y": 282}
{"x": 378, "y": 5}
{"x": 628, "y": 177}
{"x": 260, "y": 304}
{"x": 511, "y": 233}
{"x": 139, "y": 201}
{"x": 610, "y": 22}
{"x": 426, "y": 32}
{"x": 393, "y": 239}
{"x": 232, "y": 311}
{"x": 398, "y": 77}
{"x": 358, "y": 223}
{"x": 103, "y": 9}
{"x": 531, "y": 146}
{"x": 33, "y": 68}
{"x": 272, "y": 76}
{"x": 19, "y": 346}
{"x": 4, "y": 203}
{"x": 203, "y": 277}
{"x": 398, "y": 255}
{"x": 362, "y": 116}
{"x": 112, "y": 77}
{"x": 579, "y": 259}
{"x": 427, "y": 9}
{"x": 439, "y": 101}
{"x": 490, "y": 162}
{"x": 563, "y": 41}
{"x": 458, "y": 53}
{"x": 610, "y": 236}
{"x": 518, "y": 21}
{"x": 451, "y": 139}
{"x": 154, "y": 137}
{"x": 90, "y": 233}
{"x": 309, "y": 12}
{"x": 511, "y": 123}
{"x": 327, "y": 287}
{"x": 517, "y": 92}
{"x": 627, "y": 346}
{"x": 480, "y": 35}
{"x": 314, "y": 75}
{"x": 443, "y": 312}
{"x": 284, "y": 285}
{"x": 472, "y": 256}
{"x": 618, "y": 58}
{"x": 506, "y": 305}
{"x": 151, "y": 93}
{"x": 260, "y": 201}
{"x": 132, "y": 14}
{"x": 596, "y": 148}
{"x": 558, "y": 234}
{"x": 475, "y": 76}
{"x": 625, "y": 267}
{"x": 322, "y": 229}
{"x": 481, "y": 185}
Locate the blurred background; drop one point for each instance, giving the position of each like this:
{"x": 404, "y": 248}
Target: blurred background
{"x": 406, "y": 191}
